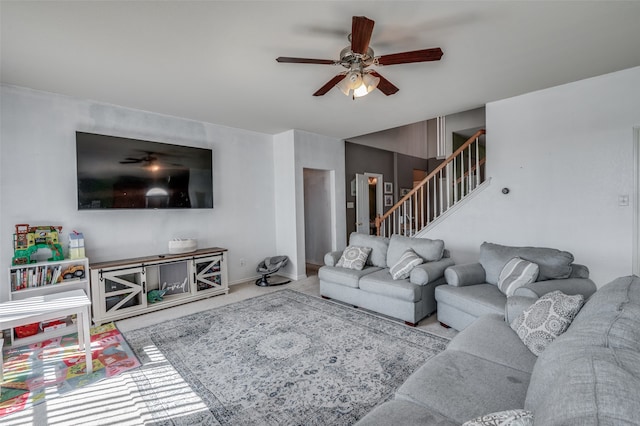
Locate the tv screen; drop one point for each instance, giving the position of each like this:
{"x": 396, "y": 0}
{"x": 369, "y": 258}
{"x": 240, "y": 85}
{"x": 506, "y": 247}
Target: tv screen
{"x": 122, "y": 173}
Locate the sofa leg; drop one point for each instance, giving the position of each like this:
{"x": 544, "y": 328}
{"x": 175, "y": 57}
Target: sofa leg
{"x": 410, "y": 324}
{"x": 444, "y": 325}
{"x": 325, "y": 297}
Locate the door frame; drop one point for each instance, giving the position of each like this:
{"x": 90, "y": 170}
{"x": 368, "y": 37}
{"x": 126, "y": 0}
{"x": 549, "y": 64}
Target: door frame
{"x": 636, "y": 202}
{"x": 379, "y": 196}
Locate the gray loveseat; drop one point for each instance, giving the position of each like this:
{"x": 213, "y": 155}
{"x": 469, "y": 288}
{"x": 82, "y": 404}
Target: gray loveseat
{"x": 373, "y": 287}
{"x": 472, "y": 289}
{"x": 590, "y": 375}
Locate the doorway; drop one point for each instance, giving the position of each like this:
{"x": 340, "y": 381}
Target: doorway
{"x": 369, "y": 194}
{"x": 317, "y": 217}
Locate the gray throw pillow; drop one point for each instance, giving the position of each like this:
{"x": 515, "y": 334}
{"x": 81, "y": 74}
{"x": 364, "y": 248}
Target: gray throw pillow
{"x": 403, "y": 267}
{"x": 429, "y": 250}
{"x": 354, "y": 257}
{"x": 379, "y": 247}
{"x": 516, "y": 273}
{"x": 503, "y": 418}
{"x": 549, "y": 317}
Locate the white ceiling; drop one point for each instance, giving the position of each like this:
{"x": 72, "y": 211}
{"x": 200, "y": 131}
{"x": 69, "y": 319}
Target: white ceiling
{"x": 214, "y": 61}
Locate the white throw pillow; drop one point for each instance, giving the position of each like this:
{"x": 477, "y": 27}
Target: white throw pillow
{"x": 405, "y": 265}
{"x": 503, "y": 418}
{"x": 549, "y": 317}
{"x": 516, "y": 273}
{"x": 354, "y": 257}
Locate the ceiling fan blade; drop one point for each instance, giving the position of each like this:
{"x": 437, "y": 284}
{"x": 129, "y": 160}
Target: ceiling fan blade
{"x": 305, "y": 61}
{"x": 335, "y": 80}
{"x": 361, "y": 30}
{"x": 385, "y": 85}
{"x": 423, "y": 55}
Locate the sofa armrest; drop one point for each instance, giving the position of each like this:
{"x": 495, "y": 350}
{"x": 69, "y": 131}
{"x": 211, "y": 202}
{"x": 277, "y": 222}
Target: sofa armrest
{"x": 463, "y": 275}
{"x": 426, "y": 273}
{"x": 583, "y": 286}
{"x": 331, "y": 258}
{"x": 515, "y": 305}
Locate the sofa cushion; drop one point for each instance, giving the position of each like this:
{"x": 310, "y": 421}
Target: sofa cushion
{"x": 611, "y": 317}
{"x": 382, "y": 283}
{"x": 403, "y": 267}
{"x": 553, "y": 264}
{"x": 379, "y": 247}
{"x": 503, "y": 418}
{"x": 354, "y": 257}
{"x": 601, "y": 387}
{"x": 516, "y": 273}
{"x": 428, "y": 250}
{"x": 549, "y": 317}
{"x": 491, "y": 338}
{"x": 463, "y": 386}
{"x": 344, "y": 276}
{"x": 476, "y": 300}
{"x": 608, "y": 324}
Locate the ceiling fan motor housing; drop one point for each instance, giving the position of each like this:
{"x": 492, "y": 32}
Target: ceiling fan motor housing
{"x": 348, "y": 58}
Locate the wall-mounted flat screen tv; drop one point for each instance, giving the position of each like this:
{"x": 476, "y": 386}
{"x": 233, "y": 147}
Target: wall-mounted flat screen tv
{"x": 123, "y": 173}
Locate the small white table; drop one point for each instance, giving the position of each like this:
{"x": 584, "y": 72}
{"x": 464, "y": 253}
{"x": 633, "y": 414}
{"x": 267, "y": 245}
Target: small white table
{"x": 15, "y": 313}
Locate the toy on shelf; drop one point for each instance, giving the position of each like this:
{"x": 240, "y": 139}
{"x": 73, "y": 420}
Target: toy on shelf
{"x": 155, "y": 296}
{"x": 73, "y": 271}
{"x": 76, "y": 245}
{"x": 29, "y": 239}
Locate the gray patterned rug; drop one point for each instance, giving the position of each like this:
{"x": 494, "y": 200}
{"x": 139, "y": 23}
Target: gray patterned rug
{"x": 284, "y": 358}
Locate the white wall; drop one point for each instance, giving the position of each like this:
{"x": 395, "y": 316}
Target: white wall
{"x": 38, "y": 181}
{"x": 285, "y": 202}
{"x": 566, "y": 154}
{"x": 313, "y": 151}
{"x": 295, "y": 151}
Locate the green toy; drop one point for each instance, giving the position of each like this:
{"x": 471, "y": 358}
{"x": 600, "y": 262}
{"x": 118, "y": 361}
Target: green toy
{"x": 29, "y": 239}
{"x": 155, "y": 296}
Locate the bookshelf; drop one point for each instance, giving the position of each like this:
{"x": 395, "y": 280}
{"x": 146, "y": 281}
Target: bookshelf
{"x": 46, "y": 278}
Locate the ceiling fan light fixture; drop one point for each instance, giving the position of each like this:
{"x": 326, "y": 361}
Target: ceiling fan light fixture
{"x": 351, "y": 82}
{"x": 369, "y": 84}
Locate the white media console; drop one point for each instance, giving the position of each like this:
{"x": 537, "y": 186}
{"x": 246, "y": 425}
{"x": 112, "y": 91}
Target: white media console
{"x": 124, "y": 288}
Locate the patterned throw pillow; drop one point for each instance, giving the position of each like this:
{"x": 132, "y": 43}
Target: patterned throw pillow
{"x": 516, "y": 273}
{"x": 405, "y": 264}
{"x": 503, "y": 418}
{"x": 549, "y": 317}
{"x": 354, "y": 257}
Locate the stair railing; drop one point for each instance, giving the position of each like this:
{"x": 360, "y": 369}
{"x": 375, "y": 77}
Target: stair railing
{"x": 448, "y": 184}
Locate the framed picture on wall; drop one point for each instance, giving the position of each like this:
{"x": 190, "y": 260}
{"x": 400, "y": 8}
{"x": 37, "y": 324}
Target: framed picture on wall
{"x": 404, "y": 191}
{"x": 388, "y": 200}
{"x": 388, "y": 188}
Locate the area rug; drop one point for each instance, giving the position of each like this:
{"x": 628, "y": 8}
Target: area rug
{"x": 284, "y": 358}
{"x": 53, "y": 367}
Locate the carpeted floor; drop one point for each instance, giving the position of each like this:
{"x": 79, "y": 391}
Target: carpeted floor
{"x": 283, "y": 358}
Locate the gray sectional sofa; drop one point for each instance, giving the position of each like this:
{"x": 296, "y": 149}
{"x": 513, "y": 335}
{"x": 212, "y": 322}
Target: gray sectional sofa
{"x": 590, "y": 375}
{"x": 472, "y": 289}
{"x": 410, "y": 299}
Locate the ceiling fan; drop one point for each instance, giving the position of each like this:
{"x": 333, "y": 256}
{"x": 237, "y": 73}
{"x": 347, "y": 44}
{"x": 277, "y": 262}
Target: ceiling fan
{"x": 358, "y": 80}
{"x": 149, "y": 158}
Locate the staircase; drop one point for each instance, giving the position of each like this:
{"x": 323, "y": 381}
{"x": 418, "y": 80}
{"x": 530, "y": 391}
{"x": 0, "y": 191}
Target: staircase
{"x": 447, "y": 185}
